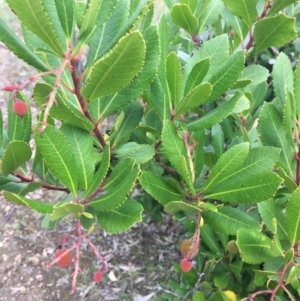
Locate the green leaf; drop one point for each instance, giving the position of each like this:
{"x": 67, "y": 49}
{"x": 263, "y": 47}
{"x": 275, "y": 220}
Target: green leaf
{"x": 245, "y": 9}
{"x": 31, "y": 187}
{"x": 229, "y": 220}
{"x": 165, "y": 97}
{"x": 283, "y": 79}
{"x": 195, "y": 98}
{"x": 216, "y": 115}
{"x": 62, "y": 210}
{"x": 196, "y": 75}
{"x": 133, "y": 114}
{"x": 255, "y": 73}
{"x": 174, "y": 77}
{"x": 100, "y": 173}
{"x": 126, "y": 149}
{"x": 16, "y": 153}
{"x": 117, "y": 69}
{"x": 66, "y": 13}
{"x": 210, "y": 14}
{"x": 142, "y": 154}
{"x": 272, "y": 133}
{"x": 116, "y": 195}
{"x": 238, "y": 179}
{"x": 269, "y": 211}
{"x": 192, "y": 4}
{"x": 227, "y": 164}
{"x": 63, "y": 110}
{"x": 104, "y": 106}
{"x": 198, "y": 158}
{"x": 208, "y": 237}
{"x": 254, "y": 246}
{"x": 217, "y": 139}
{"x": 175, "y": 206}
{"x": 8, "y": 37}
{"x": 280, "y": 29}
{"x": 34, "y": 15}
{"x": 158, "y": 188}
{"x": 85, "y": 220}
{"x": 292, "y": 217}
{"x": 118, "y": 24}
{"x": 127, "y": 215}
{"x": 79, "y": 12}
{"x": 278, "y": 5}
{"x": 35, "y": 205}
{"x": 216, "y": 49}
{"x": 59, "y": 156}
{"x": 173, "y": 145}
{"x": 89, "y": 17}
{"x": 249, "y": 189}
{"x": 82, "y": 146}
{"x": 182, "y": 16}
{"x": 227, "y": 74}
{"x": 297, "y": 88}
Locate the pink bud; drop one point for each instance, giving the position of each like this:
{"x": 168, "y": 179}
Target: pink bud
{"x": 98, "y": 276}
{"x": 10, "y": 88}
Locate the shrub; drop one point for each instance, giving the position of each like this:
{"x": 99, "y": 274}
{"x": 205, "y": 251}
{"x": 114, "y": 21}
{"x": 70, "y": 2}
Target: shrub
{"x": 189, "y": 125}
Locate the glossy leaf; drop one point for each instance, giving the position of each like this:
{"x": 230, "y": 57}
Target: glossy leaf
{"x": 195, "y": 98}
{"x": 89, "y": 17}
{"x": 104, "y": 106}
{"x": 82, "y": 146}
{"x": 66, "y": 14}
{"x": 62, "y": 210}
{"x": 142, "y": 154}
{"x": 116, "y": 26}
{"x": 208, "y": 237}
{"x": 210, "y": 14}
{"x": 100, "y": 174}
{"x": 196, "y": 75}
{"x": 227, "y": 74}
{"x": 281, "y": 30}
{"x": 158, "y": 188}
{"x": 229, "y": 220}
{"x": 244, "y": 9}
{"x": 59, "y": 156}
{"x": 273, "y": 134}
{"x": 176, "y": 206}
{"x": 173, "y": 145}
{"x": 116, "y": 70}
{"x": 227, "y": 164}
{"x": 8, "y": 37}
{"x": 293, "y": 217}
{"x": 174, "y": 77}
{"x": 216, "y": 115}
{"x": 269, "y": 211}
{"x": 283, "y": 79}
{"x": 118, "y": 185}
{"x": 127, "y": 215}
{"x": 278, "y": 5}
{"x": 297, "y": 88}
{"x": 133, "y": 114}
{"x": 255, "y": 73}
{"x": 182, "y": 16}
{"x": 34, "y": 15}
{"x": 254, "y": 246}
{"x": 16, "y": 153}
{"x": 63, "y": 110}
{"x": 38, "y": 206}
{"x": 216, "y": 49}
